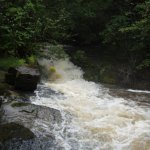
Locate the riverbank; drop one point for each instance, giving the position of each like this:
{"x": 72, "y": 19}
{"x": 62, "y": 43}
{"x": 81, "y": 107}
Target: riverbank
{"x": 20, "y": 120}
{"x": 100, "y": 67}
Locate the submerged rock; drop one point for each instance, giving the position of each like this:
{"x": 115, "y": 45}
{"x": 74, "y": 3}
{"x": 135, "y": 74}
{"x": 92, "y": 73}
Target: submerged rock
{"x": 12, "y": 130}
{"x": 23, "y": 78}
{"x": 27, "y": 114}
{"x": 18, "y": 117}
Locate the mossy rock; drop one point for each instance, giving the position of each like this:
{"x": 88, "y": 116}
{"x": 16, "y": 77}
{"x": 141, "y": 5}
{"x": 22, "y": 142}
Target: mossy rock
{"x": 19, "y": 104}
{"x": 12, "y": 130}
{"x": 52, "y": 69}
{"x": 12, "y": 93}
{"x": 3, "y": 88}
{"x": 2, "y": 76}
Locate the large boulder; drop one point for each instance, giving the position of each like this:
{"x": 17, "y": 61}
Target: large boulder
{"x": 11, "y": 75}
{"x": 27, "y": 78}
{"x": 23, "y": 78}
{"x": 25, "y": 126}
{"x": 12, "y": 130}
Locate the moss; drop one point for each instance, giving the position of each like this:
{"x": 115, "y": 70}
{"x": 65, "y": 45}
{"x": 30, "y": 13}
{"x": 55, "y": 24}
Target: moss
{"x": 12, "y": 130}
{"x": 19, "y": 104}
{"x": 52, "y": 69}
{"x": 52, "y": 73}
{"x": 8, "y": 62}
{"x": 32, "y": 60}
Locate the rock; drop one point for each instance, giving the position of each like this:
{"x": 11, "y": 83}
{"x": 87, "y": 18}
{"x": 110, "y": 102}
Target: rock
{"x": 11, "y": 76}
{"x": 23, "y": 78}
{"x": 18, "y": 117}
{"x": 2, "y": 76}
{"x": 12, "y": 130}
{"x": 27, "y": 114}
{"x": 1, "y": 101}
{"x": 19, "y": 104}
{"x": 12, "y": 94}
{"x": 45, "y": 122}
{"x": 4, "y": 88}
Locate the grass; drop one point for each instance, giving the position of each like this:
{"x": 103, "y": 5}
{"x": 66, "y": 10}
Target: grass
{"x": 7, "y": 62}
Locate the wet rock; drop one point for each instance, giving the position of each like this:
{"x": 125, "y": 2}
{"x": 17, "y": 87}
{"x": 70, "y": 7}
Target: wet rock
{"x": 40, "y": 119}
{"x": 12, "y": 94}
{"x": 12, "y": 130}
{"x": 52, "y": 115}
{"x": 11, "y": 76}
{"x": 140, "y": 98}
{"x": 1, "y": 100}
{"x": 27, "y": 114}
{"x": 4, "y": 88}
{"x": 23, "y": 78}
{"x": 2, "y": 75}
{"x": 27, "y": 79}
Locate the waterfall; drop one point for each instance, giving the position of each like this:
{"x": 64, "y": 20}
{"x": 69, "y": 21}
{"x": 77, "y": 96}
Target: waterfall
{"x": 92, "y": 118}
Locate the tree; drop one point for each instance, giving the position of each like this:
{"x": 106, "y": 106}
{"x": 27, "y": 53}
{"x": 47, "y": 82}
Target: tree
{"x": 128, "y": 34}
{"x": 20, "y": 25}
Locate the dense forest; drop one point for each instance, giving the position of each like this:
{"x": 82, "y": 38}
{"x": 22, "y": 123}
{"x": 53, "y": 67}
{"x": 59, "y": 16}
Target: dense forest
{"x": 121, "y": 28}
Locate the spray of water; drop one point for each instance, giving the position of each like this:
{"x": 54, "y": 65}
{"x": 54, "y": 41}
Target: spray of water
{"x": 98, "y": 121}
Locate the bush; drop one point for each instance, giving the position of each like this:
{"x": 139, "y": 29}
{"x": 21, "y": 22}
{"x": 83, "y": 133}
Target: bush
{"x": 5, "y": 63}
{"x": 31, "y": 60}
{"x": 80, "y": 58}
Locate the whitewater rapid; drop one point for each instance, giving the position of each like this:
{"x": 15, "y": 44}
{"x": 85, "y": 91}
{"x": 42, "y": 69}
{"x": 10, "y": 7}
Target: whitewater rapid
{"x": 93, "y": 119}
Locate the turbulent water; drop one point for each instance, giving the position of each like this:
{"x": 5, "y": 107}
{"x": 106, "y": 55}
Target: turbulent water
{"x": 92, "y": 118}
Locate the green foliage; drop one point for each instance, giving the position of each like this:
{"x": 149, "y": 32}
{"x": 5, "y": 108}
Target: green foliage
{"x": 128, "y": 34}
{"x": 122, "y": 27}
{"x": 57, "y": 52}
{"x": 145, "y": 63}
{"x": 32, "y": 60}
{"x": 56, "y": 29}
{"x": 80, "y": 57}
{"x": 20, "y": 25}
{"x": 88, "y": 19}
{"x": 5, "y": 63}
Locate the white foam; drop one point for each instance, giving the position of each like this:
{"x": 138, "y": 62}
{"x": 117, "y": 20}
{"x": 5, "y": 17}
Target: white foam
{"x": 138, "y": 91}
{"x": 99, "y": 121}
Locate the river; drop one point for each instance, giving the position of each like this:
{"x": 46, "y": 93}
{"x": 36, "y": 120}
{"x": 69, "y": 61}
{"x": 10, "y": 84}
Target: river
{"x": 93, "y": 118}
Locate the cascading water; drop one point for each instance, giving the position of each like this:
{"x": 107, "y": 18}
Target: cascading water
{"x": 92, "y": 119}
